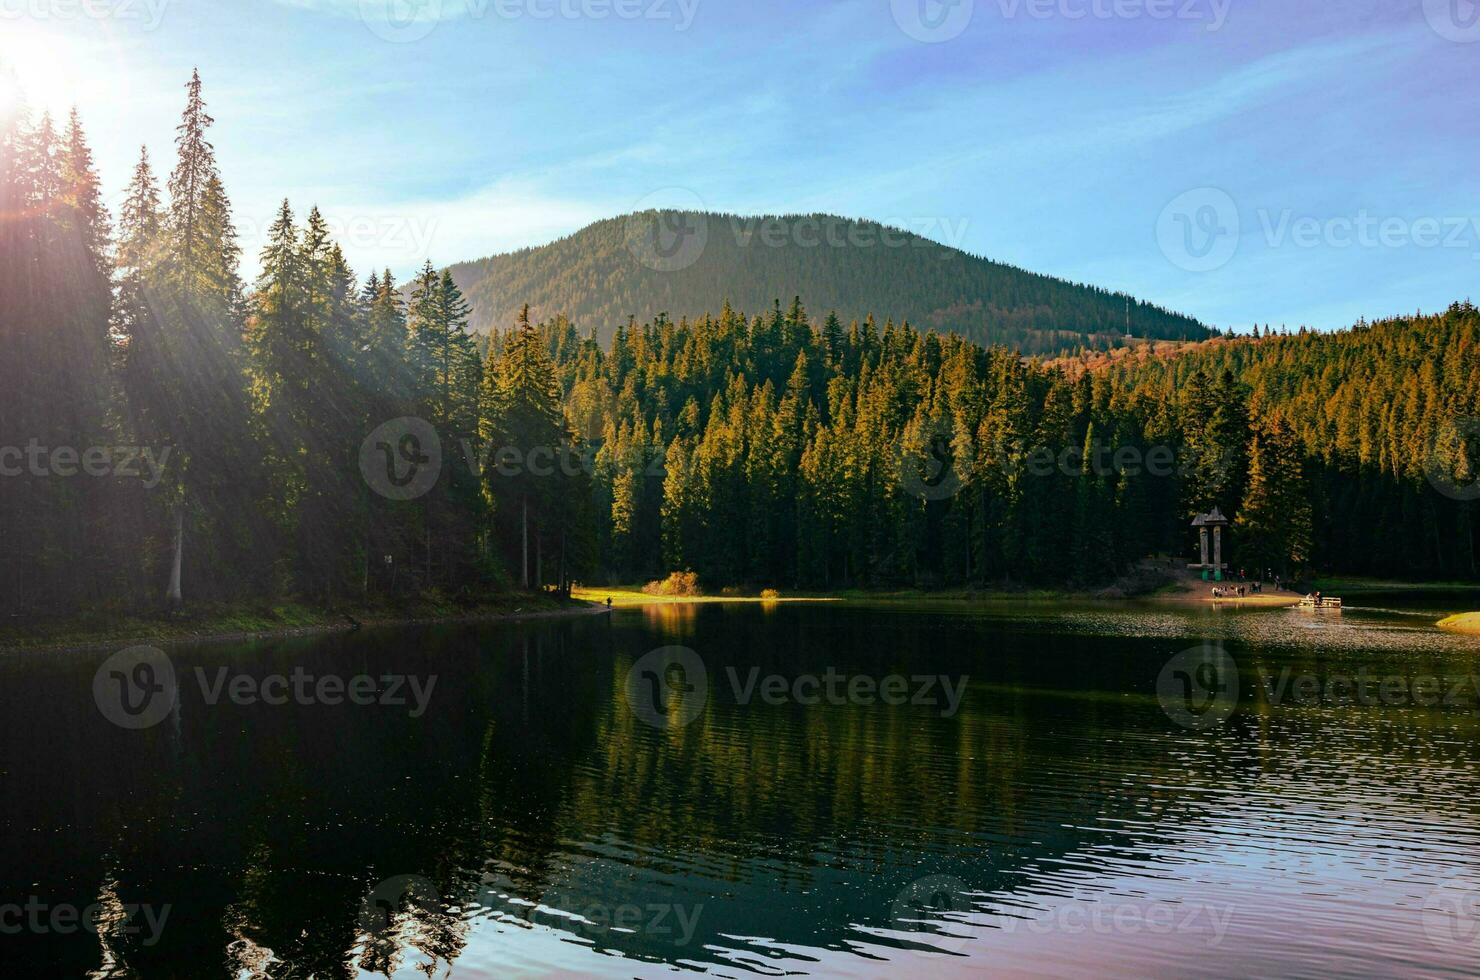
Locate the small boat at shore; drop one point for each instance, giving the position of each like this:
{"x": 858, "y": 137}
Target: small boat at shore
{"x": 1324, "y": 602}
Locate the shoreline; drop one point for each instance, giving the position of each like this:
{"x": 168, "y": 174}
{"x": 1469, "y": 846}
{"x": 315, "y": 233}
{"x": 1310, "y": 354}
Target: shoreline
{"x": 331, "y": 622}
{"x": 1179, "y": 588}
{"x": 1263, "y": 600}
{"x": 241, "y": 625}
{"x": 629, "y": 598}
{"x": 1180, "y": 592}
{"x": 1187, "y": 588}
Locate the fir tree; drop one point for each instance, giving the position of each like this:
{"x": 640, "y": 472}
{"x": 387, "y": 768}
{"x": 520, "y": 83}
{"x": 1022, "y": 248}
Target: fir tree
{"x": 1274, "y": 523}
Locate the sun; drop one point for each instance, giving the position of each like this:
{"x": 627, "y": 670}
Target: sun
{"x": 43, "y": 71}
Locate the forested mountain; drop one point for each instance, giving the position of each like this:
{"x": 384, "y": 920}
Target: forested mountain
{"x": 170, "y": 434}
{"x": 690, "y": 263}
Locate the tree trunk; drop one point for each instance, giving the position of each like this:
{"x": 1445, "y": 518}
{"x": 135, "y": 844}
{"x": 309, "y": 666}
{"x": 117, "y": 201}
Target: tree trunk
{"x": 175, "y": 596}
{"x": 365, "y": 566}
{"x": 968, "y": 547}
{"x": 524, "y": 525}
{"x": 539, "y": 562}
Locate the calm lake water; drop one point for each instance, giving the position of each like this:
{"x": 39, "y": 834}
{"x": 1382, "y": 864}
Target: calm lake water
{"x": 1077, "y": 790}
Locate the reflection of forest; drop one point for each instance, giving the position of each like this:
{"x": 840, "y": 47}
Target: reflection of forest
{"x": 530, "y": 792}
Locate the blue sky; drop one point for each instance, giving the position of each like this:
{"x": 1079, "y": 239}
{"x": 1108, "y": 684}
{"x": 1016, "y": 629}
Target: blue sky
{"x": 1243, "y": 161}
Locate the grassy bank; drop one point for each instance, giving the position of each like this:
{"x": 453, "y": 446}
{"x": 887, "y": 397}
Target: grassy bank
{"x": 252, "y": 621}
{"x": 1463, "y": 623}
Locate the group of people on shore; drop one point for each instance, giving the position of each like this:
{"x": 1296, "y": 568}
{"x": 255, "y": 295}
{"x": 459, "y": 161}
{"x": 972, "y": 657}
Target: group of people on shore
{"x": 1255, "y": 587}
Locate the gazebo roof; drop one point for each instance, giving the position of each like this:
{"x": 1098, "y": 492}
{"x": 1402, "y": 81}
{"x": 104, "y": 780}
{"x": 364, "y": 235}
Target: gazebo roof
{"x": 1212, "y": 517}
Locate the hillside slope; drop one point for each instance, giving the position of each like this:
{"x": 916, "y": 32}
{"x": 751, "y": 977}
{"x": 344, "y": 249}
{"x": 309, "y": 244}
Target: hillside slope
{"x": 690, "y": 263}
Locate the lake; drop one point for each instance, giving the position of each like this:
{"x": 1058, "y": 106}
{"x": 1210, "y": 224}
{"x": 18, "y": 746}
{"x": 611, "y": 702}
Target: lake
{"x": 840, "y": 789}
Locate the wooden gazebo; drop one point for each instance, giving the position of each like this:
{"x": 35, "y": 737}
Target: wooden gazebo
{"x": 1212, "y": 523}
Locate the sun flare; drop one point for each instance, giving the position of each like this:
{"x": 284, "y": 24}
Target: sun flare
{"x": 44, "y": 71}
{"x": 10, "y": 93}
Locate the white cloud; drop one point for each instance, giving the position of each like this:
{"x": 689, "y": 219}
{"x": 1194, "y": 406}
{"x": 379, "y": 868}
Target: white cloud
{"x": 401, "y": 236}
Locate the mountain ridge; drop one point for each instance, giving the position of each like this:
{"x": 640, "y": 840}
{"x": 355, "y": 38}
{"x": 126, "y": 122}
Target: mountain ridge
{"x": 689, "y": 263}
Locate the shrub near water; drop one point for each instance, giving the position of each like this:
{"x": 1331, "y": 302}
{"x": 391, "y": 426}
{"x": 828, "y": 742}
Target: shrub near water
{"x": 677, "y": 583}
